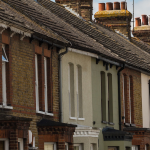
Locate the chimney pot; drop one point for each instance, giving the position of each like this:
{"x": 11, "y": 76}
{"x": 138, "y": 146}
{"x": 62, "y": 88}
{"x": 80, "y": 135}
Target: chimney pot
{"x": 123, "y": 5}
{"x": 101, "y": 6}
{"x": 137, "y": 22}
{"x": 109, "y": 6}
{"x": 116, "y": 6}
{"x": 144, "y": 20}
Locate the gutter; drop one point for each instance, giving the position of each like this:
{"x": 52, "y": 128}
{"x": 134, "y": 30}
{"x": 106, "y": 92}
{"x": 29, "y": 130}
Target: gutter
{"x": 60, "y": 84}
{"x": 119, "y": 98}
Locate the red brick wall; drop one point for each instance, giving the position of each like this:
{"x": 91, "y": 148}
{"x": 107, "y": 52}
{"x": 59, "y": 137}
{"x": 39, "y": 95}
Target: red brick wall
{"x": 21, "y": 79}
{"x": 136, "y": 97}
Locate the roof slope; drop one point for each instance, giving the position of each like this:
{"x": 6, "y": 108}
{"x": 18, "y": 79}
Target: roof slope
{"x": 9, "y": 17}
{"x": 49, "y": 20}
{"x": 122, "y": 47}
{"x": 83, "y": 35}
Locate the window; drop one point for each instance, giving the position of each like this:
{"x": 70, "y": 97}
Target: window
{"x": 4, "y": 144}
{"x": 49, "y": 146}
{"x": 4, "y": 61}
{"x": 125, "y": 105}
{"x": 110, "y": 99}
{"x": 131, "y": 100}
{"x": 39, "y": 84}
{"x": 103, "y": 96}
{"x": 20, "y": 144}
{"x": 135, "y": 147}
{"x": 79, "y": 92}
{"x": 71, "y": 89}
{"x": 78, "y": 147}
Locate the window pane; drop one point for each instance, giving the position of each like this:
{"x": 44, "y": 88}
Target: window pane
{"x": 103, "y": 97}
{"x": 76, "y": 148}
{"x": 19, "y": 146}
{"x": 79, "y": 91}
{"x": 48, "y": 146}
{"x": 71, "y": 90}
{"x": 1, "y": 145}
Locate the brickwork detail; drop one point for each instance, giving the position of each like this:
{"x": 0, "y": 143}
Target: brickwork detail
{"x": 136, "y": 103}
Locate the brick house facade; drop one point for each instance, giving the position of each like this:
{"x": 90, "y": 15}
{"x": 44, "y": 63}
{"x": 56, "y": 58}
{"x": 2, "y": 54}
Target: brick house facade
{"x": 19, "y": 117}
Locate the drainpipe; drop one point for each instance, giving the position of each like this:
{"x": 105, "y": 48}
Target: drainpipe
{"x": 119, "y": 98}
{"x": 60, "y": 84}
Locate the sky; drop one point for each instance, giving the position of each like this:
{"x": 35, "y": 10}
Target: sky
{"x": 140, "y": 6}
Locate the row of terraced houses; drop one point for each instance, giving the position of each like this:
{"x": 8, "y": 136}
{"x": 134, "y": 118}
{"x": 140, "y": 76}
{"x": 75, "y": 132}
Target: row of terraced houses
{"x": 70, "y": 83}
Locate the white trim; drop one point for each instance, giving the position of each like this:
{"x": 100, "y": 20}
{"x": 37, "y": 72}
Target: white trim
{"x": 45, "y": 88}
{"x": 6, "y": 142}
{"x": 66, "y": 144}
{"x": 123, "y": 98}
{"x": 82, "y": 52}
{"x": 4, "y": 96}
{"x": 6, "y": 107}
{"x": 51, "y": 143}
{"x": 36, "y": 84}
{"x": 49, "y": 114}
{"x": 73, "y": 118}
{"x": 81, "y": 118}
{"x": 20, "y": 140}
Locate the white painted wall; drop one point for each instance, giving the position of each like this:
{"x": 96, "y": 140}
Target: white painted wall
{"x": 145, "y": 100}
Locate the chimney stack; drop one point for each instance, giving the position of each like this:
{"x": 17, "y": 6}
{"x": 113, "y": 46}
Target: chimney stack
{"x": 101, "y": 6}
{"x": 144, "y": 20}
{"x": 137, "y": 22}
{"x": 123, "y": 5}
{"x": 109, "y": 6}
{"x": 116, "y": 6}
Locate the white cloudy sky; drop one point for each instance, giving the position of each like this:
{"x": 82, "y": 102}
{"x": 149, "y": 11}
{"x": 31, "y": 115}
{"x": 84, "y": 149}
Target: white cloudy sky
{"x": 141, "y": 6}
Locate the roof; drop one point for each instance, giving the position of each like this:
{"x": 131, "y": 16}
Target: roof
{"x": 51, "y": 21}
{"x": 112, "y": 13}
{"x": 46, "y": 123}
{"x": 83, "y": 35}
{"x": 10, "y": 18}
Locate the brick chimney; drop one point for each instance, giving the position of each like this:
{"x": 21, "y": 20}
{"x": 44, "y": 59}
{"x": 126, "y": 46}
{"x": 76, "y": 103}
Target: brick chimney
{"x": 116, "y": 16}
{"x": 83, "y": 7}
{"x": 142, "y": 28}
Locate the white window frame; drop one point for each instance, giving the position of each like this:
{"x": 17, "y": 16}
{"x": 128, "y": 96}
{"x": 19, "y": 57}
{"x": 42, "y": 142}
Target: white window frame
{"x": 4, "y": 94}
{"x": 51, "y": 143}
{"x": 36, "y": 84}
{"x": 123, "y": 98}
{"x": 37, "y": 88}
{"x": 134, "y": 147}
{"x": 130, "y": 100}
{"x": 66, "y": 144}
{"x": 91, "y": 147}
{"x": 6, "y": 142}
{"x": 20, "y": 140}
{"x": 45, "y": 84}
{"x": 79, "y": 145}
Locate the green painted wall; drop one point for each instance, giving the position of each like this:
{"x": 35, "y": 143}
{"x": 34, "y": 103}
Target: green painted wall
{"x": 96, "y": 97}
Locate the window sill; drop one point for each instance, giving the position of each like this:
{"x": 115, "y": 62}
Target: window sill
{"x": 33, "y": 148}
{"x": 127, "y": 124}
{"x": 73, "y": 118}
{"x": 6, "y": 107}
{"x": 44, "y": 113}
{"x": 105, "y": 122}
{"x": 132, "y": 125}
{"x": 82, "y": 119}
{"x": 111, "y": 123}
